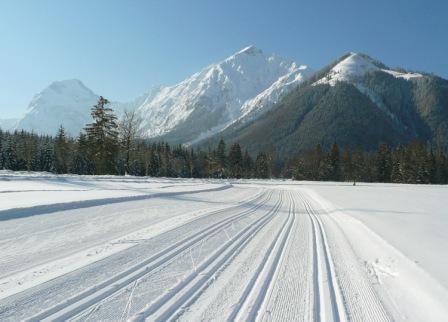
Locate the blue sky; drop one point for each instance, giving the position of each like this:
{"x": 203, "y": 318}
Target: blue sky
{"x": 121, "y": 48}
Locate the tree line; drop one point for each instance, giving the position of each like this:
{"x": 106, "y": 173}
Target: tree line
{"x": 112, "y": 146}
{"x": 412, "y": 163}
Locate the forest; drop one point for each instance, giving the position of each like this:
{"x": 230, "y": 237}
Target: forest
{"x": 115, "y": 147}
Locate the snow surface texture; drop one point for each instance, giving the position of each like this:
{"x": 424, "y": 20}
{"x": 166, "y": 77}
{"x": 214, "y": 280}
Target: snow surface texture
{"x": 241, "y": 87}
{"x": 123, "y": 248}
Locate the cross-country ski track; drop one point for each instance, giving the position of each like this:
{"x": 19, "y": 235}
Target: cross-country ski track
{"x": 277, "y": 254}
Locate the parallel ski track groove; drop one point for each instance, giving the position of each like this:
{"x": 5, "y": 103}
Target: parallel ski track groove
{"x": 320, "y": 240}
{"x": 270, "y": 256}
{"x": 77, "y": 304}
{"x": 353, "y": 279}
{"x": 167, "y": 307}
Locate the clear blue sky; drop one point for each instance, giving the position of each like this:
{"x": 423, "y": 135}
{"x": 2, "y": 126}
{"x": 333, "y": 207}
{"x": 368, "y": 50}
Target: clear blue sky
{"x": 121, "y": 48}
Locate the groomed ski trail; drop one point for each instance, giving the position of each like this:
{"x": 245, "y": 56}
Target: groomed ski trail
{"x": 101, "y": 292}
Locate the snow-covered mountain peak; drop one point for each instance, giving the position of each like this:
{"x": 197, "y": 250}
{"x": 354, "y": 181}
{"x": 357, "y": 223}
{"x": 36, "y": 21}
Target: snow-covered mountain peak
{"x": 353, "y": 67}
{"x": 66, "y": 102}
{"x": 67, "y": 84}
{"x": 220, "y": 91}
{"x": 250, "y": 50}
{"x": 349, "y": 69}
{"x": 71, "y": 89}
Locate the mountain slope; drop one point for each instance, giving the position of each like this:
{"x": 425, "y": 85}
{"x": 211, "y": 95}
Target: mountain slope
{"x": 246, "y": 84}
{"x": 357, "y": 102}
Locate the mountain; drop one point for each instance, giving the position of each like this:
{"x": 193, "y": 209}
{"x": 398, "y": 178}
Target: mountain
{"x": 240, "y": 88}
{"x": 7, "y": 124}
{"x": 64, "y": 103}
{"x": 245, "y": 85}
{"x": 357, "y": 102}
{"x": 67, "y": 103}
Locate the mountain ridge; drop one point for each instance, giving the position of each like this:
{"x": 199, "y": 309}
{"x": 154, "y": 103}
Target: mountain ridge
{"x": 242, "y": 99}
{"x": 396, "y": 106}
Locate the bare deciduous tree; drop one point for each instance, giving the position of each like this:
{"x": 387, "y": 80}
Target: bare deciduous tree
{"x": 129, "y": 133}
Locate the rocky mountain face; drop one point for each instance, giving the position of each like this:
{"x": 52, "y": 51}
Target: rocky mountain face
{"x": 243, "y": 86}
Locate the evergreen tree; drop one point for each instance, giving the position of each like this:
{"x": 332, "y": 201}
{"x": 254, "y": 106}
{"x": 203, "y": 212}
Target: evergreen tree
{"x": 153, "y": 165}
{"x": 1, "y": 149}
{"x": 347, "y": 166}
{"x": 357, "y": 167}
{"x": 262, "y": 170}
{"x": 397, "y": 167}
{"x": 235, "y": 161}
{"x": 334, "y": 164}
{"x": 317, "y": 168}
{"x": 10, "y": 160}
{"x": 383, "y": 164}
{"x": 82, "y": 164}
{"x": 248, "y": 165}
{"x": 61, "y": 152}
{"x": 221, "y": 160}
{"x": 102, "y": 136}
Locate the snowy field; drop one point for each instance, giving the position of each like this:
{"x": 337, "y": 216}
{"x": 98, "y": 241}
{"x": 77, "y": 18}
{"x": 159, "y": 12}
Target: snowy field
{"x": 84, "y": 248}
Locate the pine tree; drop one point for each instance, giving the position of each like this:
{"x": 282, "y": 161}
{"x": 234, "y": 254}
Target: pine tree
{"x": 317, "y": 171}
{"x": 347, "y": 166}
{"x": 82, "y": 164}
{"x": 248, "y": 165}
{"x": 262, "y": 170}
{"x": 221, "y": 160}
{"x": 357, "y": 167}
{"x": 166, "y": 168}
{"x": 61, "y": 152}
{"x": 1, "y": 148}
{"x": 235, "y": 161}
{"x": 102, "y": 136}
{"x": 383, "y": 164}
{"x": 334, "y": 164}
{"x": 10, "y": 160}
{"x": 397, "y": 167}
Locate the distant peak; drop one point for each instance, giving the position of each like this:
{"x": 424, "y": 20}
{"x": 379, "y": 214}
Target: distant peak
{"x": 250, "y": 50}
{"x": 361, "y": 57}
{"x": 67, "y": 83}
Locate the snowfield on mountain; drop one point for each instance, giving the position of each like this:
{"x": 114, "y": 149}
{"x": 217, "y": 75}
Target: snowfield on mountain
{"x": 108, "y": 248}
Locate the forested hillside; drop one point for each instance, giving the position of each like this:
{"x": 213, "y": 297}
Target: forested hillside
{"x": 358, "y": 107}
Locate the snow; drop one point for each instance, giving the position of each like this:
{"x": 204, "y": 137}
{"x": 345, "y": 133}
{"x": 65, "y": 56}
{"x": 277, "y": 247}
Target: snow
{"x": 261, "y": 103}
{"x": 406, "y": 76}
{"x": 65, "y": 102}
{"x": 354, "y": 67}
{"x": 349, "y": 69}
{"x": 126, "y": 248}
{"x": 248, "y": 80}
